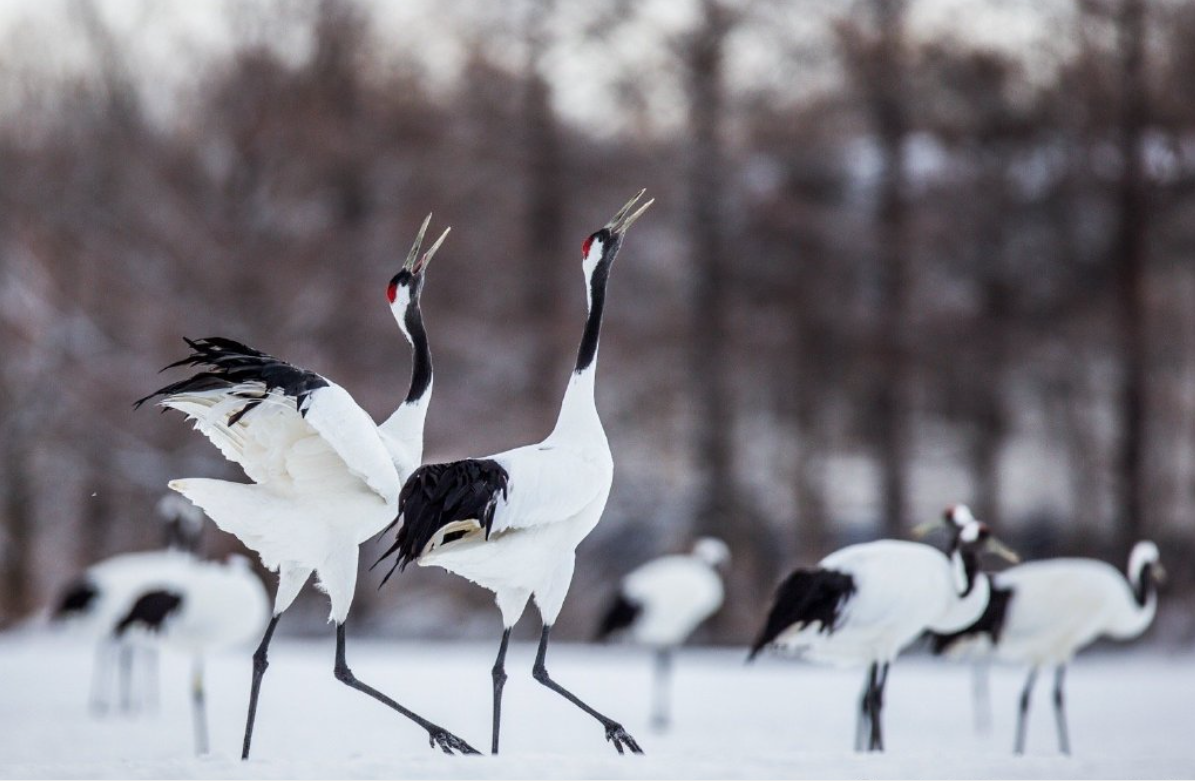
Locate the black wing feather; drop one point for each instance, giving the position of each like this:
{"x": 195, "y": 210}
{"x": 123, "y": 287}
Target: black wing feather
{"x": 806, "y": 597}
{"x": 436, "y": 495}
{"x": 621, "y": 613}
{"x": 227, "y": 363}
{"x": 77, "y": 598}
{"x": 150, "y": 611}
{"x": 990, "y": 622}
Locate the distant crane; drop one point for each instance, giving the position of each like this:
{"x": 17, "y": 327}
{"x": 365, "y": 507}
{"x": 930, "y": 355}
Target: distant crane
{"x": 201, "y": 608}
{"x": 661, "y": 603}
{"x": 511, "y": 522}
{"x": 863, "y": 604}
{"x": 325, "y": 476}
{"x": 1052, "y": 609}
{"x": 94, "y": 601}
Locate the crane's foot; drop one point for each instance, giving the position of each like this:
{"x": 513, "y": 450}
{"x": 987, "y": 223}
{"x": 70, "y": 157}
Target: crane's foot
{"x": 621, "y": 739}
{"x": 448, "y": 743}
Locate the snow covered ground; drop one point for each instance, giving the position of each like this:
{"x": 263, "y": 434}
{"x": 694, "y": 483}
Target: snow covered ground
{"x": 1132, "y": 716}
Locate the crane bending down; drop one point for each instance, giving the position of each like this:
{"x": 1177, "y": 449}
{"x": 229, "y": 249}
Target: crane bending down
{"x": 200, "y": 607}
{"x": 511, "y": 522}
{"x": 863, "y": 604}
{"x": 1052, "y": 609}
{"x": 325, "y": 476}
{"x": 661, "y": 603}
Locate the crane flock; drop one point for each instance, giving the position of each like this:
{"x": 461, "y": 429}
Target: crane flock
{"x": 324, "y": 478}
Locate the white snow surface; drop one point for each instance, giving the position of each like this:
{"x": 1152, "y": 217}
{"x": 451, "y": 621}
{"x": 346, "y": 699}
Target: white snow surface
{"x": 1132, "y": 716}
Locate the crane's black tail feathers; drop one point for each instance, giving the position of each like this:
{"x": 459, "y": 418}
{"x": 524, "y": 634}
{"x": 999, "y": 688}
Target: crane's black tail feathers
{"x": 805, "y": 597}
{"x": 621, "y": 613}
{"x": 77, "y": 599}
{"x": 227, "y": 363}
{"x": 436, "y": 496}
{"x": 149, "y": 612}
{"x": 990, "y": 623}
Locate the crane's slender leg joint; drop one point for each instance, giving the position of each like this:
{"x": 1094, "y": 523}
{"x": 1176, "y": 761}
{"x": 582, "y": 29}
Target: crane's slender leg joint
{"x": 260, "y": 663}
{"x": 863, "y": 723}
{"x": 1064, "y": 742}
{"x": 877, "y": 732}
{"x": 1023, "y": 713}
{"x": 661, "y": 712}
{"x": 437, "y": 736}
{"x": 499, "y": 675}
{"x": 614, "y": 731}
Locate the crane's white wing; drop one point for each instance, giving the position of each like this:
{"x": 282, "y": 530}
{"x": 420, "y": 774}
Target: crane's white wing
{"x": 549, "y": 484}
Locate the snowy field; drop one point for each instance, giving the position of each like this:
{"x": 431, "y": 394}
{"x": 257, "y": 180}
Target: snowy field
{"x": 1132, "y": 716}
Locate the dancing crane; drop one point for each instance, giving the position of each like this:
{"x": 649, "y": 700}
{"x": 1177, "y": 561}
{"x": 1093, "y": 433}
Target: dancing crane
{"x": 511, "y": 522}
{"x": 325, "y": 476}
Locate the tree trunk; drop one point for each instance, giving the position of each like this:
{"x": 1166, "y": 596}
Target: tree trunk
{"x": 1130, "y": 262}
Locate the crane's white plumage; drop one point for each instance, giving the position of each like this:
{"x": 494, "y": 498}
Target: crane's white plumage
{"x": 865, "y": 603}
{"x": 511, "y": 522}
{"x": 1049, "y": 610}
{"x": 661, "y": 603}
{"x": 325, "y": 477}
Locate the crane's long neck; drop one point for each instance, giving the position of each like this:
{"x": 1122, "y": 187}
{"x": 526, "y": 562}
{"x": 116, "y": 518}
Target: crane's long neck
{"x": 972, "y": 589}
{"x": 965, "y": 565}
{"x": 1145, "y": 598}
{"x": 578, "y": 411}
{"x": 405, "y": 425}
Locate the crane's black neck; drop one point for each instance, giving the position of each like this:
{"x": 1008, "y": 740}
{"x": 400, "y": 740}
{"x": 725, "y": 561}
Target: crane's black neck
{"x": 970, "y": 567}
{"x": 1146, "y": 585}
{"x": 421, "y": 365}
{"x": 587, "y": 353}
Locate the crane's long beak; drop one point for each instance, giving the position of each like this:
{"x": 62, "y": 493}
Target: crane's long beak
{"x": 925, "y": 529}
{"x": 619, "y": 224}
{"x": 994, "y": 545}
{"x": 421, "y": 265}
{"x": 1159, "y": 573}
{"x": 409, "y": 265}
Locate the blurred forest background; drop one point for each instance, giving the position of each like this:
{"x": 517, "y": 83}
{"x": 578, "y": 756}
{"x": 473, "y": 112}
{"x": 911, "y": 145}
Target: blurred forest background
{"x": 904, "y": 253}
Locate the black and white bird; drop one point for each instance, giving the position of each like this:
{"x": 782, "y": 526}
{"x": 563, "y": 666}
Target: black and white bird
{"x": 325, "y": 476}
{"x": 661, "y": 603}
{"x": 865, "y": 603}
{"x": 1050, "y": 610}
{"x": 93, "y": 603}
{"x": 198, "y": 608}
{"x": 511, "y": 522}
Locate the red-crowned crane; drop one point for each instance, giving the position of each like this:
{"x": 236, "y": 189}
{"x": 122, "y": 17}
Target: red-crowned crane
{"x": 661, "y": 603}
{"x": 1050, "y": 610}
{"x": 511, "y": 522}
{"x": 94, "y": 601}
{"x": 865, "y": 603}
{"x": 325, "y": 476}
{"x": 198, "y": 608}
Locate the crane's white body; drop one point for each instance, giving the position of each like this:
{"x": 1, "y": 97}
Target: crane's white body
{"x": 224, "y": 605}
{"x": 902, "y": 589}
{"x": 324, "y": 482}
{"x": 118, "y": 581}
{"x": 1060, "y": 606}
{"x": 557, "y": 492}
{"x": 675, "y": 594}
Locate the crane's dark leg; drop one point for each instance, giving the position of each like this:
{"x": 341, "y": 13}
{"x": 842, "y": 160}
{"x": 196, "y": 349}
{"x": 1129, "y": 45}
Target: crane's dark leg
{"x": 879, "y": 680}
{"x": 499, "y": 675}
{"x": 199, "y": 706}
{"x": 1023, "y": 713}
{"x": 100, "y": 674}
{"x": 863, "y": 724}
{"x": 1064, "y": 742}
{"x": 437, "y": 736}
{"x": 614, "y": 731}
{"x": 663, "y": 686}
{"x": 260, "y": 663}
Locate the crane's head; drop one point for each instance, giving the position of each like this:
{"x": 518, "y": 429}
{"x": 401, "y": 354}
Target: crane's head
{"x": 599, "y": 249}
{"x": 405, "y": 287}
{"x": 182, "y": 522}
{"x": 967, "y": 533}
{"x": 712, "y": 551}
{"x": 1144, "y": 562}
